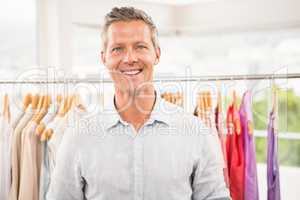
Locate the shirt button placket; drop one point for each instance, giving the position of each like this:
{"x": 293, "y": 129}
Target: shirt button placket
{"x": 138, "y": 167}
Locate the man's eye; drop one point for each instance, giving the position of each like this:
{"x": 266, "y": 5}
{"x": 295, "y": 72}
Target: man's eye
{"x": 141, "y": 47}
{"x": 116, "y": 49}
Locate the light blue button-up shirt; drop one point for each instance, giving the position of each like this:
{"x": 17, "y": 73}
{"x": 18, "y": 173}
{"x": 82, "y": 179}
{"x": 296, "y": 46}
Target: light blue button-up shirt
{"x": 172, "y": 157}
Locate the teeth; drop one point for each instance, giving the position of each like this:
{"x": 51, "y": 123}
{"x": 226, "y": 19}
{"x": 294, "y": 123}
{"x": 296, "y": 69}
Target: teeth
{"x": 133, "y": 72}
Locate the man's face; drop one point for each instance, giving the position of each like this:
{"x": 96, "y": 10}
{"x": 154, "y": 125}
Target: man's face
{"x": 130, "y": 54}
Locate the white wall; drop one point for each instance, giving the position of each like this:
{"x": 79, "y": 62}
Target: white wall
{"x": 58, "y": 18}
{"x": 239, "y": 15}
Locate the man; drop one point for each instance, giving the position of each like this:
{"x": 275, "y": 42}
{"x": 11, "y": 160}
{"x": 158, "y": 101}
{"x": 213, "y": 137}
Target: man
{"x": 145, "y": 148}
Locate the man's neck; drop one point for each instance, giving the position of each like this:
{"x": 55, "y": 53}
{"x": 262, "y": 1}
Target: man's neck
{"x": 135, "y": 108}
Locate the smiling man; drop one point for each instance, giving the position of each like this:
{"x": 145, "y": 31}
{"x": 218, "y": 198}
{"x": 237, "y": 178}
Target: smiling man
{"x": 144, "y": 148}
{"x": 130, "y": 51}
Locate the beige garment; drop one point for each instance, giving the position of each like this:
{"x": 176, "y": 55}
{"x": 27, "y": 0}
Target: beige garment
{"x": 19, "y": 114}
{"x": 59, "y": 125}
{"x": 16, "y": 153}
{"x": 31, "y": 164}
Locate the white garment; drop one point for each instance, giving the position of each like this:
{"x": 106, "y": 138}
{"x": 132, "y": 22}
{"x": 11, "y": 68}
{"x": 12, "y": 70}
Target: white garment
{"x": 45, "y": 173}
{"x": 5, "y": 151}
{"x": 50, "y": 114}
{"x": 58, "y": 126}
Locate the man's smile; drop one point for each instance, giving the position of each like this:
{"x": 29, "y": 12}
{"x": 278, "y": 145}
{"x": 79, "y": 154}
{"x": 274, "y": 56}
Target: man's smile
{"x": 131, "y": 72}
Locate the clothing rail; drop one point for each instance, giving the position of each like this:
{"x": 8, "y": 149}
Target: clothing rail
{"x": 164, "y": 79}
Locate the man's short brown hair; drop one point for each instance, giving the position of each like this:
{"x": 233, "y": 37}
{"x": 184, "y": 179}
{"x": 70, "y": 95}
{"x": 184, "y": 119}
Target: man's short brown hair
{"x": 128, "y": 14}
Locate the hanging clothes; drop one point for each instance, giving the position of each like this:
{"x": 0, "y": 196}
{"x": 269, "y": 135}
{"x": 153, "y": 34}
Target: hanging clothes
{"x": 30, "y": 165}
{"x": 174, "y": 98}
{"x": 235, "y": 154}
{"x": 20, "y": 111}
{"x": 251, "y": 185}
{"x": 58, "y": 127}
{"x": 16, "y": 152}
{"x": 45, "y": 166}
{"x": 5, "y": 152}
{"x": 204, "y": 109}
{"x": 220, "y": 131}
{"x": 31, "y": 148}
{"x": 272, "y": 161}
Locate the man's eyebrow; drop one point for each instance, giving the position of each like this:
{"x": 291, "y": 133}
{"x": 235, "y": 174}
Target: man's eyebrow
{"x": 141, "y": 42}
{"x": 116, "y": 44}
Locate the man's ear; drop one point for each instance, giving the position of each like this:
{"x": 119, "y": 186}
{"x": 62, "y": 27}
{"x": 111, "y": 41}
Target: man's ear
{"x": 103, "y": 57}
{"x": 157, "y": 52}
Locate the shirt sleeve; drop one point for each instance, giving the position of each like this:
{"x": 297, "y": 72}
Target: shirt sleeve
{"x": 66, "y": 180}
{"x": 208, "y": 179}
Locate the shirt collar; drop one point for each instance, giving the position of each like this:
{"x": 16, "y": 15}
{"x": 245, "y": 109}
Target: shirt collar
{"x": 111, "y": 117}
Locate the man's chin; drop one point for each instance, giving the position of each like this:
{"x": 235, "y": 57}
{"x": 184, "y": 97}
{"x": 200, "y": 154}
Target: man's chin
{"x": 136, "y": 90}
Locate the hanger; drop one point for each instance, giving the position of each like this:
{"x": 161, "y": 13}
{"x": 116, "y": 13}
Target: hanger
{"x": 78, "y": 103}
{"x": 63, "y": 108}
{"x": 43, "y": 109}
{"x": 274, "y": 108}
{"x": 274, "y": 99}
{"x": 199, "y": 105}
{"x": 234, "y": 101}
{"x": 206, "y": 97}
{"x": 235, "y": 117}
{"x": 35, "y": 101}
{"x": 218, "y": 110}
{"x": 219, "y": 101}
{"x": 6, "y": 109}
{"x": 202, "y": 106}
{"x": 69, "y": 103}
{"x": 27, "y": 101}
{"x": 41, "y": 127}
{"x": 38, "y": 108}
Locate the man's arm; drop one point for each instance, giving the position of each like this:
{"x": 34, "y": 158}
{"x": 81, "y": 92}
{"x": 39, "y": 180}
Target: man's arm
{"x": 66, "y": 180}
{"x": 208, "y": 181}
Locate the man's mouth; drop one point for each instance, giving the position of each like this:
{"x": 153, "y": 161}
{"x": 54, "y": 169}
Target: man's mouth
{"x": 131, "y": 72}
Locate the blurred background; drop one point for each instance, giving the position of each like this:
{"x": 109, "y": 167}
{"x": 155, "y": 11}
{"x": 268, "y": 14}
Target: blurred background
{"x": 197, "y": 37}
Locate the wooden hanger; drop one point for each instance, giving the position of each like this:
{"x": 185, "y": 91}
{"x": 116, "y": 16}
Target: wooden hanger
{"x": 235, "y": 117}
{"x": 6, "y": 109}
{"x": 35, "y": 101}
{"x": 47, "y": 133}
{"x": 237, "y": 121}
{"x": 45, "y": 103}
{"x": 219, "y": 102}
{"x": 204, "y": 108}
{"x": 59, "y": 99}
{"x": 38, "y": 108}
{"x": 78, "y": 102}
{"x": 27, "y": 101}
{"x": 234, "y": 101}
{"x": 218, "y": 120}
{"x": 41, "y": 127}
{"x": 201, "y": 106}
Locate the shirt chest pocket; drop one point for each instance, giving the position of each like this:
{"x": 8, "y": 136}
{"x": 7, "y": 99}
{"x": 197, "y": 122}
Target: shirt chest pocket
{"x": 111, "y": 175}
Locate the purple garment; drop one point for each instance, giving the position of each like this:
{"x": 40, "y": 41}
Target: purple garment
{"x": 272, "y": 162}
{"x": 251, "y": 185}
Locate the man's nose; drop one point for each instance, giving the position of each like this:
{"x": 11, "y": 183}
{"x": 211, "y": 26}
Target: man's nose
{"x": 130, "y": 56}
